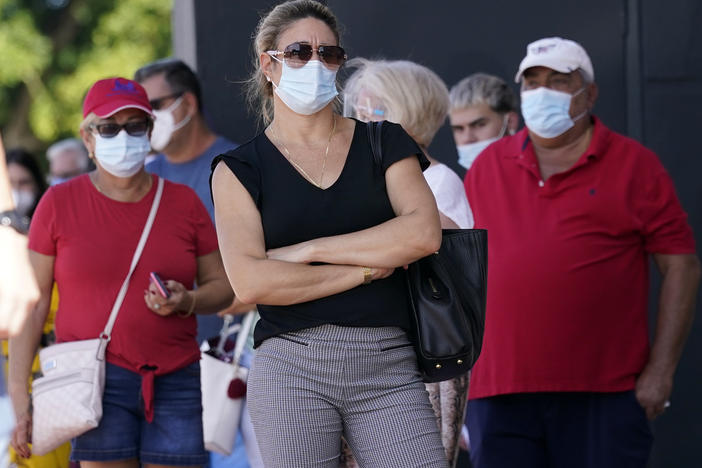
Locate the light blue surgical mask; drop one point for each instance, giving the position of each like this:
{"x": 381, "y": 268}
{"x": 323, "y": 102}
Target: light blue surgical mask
{"x": 123, "y": 154}
{"x": 546, "y": 111}
{"x": 468, "y": 153}
{"x": 308, "y": 89}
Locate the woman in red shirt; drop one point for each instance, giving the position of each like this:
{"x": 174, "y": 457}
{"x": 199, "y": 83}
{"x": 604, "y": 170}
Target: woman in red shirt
{"x": 83, "y": 236}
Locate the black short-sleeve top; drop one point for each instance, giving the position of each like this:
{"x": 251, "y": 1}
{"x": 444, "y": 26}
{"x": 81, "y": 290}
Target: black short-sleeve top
{"x": 293, "y": 210}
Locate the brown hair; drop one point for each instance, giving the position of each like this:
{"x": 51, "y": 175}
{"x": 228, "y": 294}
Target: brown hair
{"x": 259, "y": 92}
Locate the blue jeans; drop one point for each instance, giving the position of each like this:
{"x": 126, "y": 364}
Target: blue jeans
{"x": 174, "y": 437}
{"x": 554, "y": 430}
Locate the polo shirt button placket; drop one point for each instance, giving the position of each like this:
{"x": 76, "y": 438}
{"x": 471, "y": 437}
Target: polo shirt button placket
{"x": 541, "y": 183}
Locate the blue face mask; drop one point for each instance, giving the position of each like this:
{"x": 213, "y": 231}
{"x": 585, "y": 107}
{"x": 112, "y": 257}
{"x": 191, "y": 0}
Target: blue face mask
{"x": 122, "y": 155}
{"x": 547, "y": 112}
{"x": 469, "y": 152}
{"x": 308, "y": 89}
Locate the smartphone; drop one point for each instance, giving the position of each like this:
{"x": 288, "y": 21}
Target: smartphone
{"x": 160, "y": 285}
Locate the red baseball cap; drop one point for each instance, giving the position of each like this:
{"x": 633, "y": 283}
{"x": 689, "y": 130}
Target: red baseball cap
{"x": 111, "y": 95}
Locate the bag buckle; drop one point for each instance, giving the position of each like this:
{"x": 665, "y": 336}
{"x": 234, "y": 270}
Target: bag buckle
{"x": 104, "y": 340}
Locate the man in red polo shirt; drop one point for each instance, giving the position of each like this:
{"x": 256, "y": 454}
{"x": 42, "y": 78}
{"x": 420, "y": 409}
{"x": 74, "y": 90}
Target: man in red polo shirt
{"x": 566, "y": 377}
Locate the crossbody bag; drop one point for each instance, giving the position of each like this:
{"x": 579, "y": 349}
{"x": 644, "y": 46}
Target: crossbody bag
{"x": 67, "y": 399}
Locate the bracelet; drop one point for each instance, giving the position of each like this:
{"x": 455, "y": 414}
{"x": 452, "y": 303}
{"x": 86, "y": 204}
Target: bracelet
{"x": 367, "y": 275}
{"x": 191, "y": 309}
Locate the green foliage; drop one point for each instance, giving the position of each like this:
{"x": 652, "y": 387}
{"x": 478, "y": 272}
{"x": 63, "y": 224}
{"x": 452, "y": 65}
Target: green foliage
{"x": 55, "y": 49}
{"x": 25, "y": 52}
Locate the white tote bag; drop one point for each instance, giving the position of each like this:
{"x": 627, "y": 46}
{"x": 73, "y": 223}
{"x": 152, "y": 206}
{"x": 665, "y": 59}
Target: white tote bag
{"x": 220, "y": 413}
{"x": 67, "y": 399}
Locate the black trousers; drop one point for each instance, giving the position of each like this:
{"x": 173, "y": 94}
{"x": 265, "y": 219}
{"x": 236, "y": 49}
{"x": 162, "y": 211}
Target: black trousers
{"x": 559, "y": 430}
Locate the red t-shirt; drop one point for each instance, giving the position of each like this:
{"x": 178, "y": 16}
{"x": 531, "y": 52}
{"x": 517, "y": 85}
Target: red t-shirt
{"x": 93, "y": 239}
{"x": 568, "y": 264}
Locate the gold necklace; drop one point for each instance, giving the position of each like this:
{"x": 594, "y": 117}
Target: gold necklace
{"x": 297, "y": 166}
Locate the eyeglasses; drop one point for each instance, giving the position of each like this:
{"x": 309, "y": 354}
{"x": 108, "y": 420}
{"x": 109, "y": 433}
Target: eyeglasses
{"x": 370, "y": 111}
{"x": 158, "y": 103}
{"x": 298, "y": 54}
{"x": 133, "y": 128}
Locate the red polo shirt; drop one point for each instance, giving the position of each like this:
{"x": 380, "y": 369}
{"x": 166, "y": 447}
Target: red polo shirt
{"x": 568, "y": 270}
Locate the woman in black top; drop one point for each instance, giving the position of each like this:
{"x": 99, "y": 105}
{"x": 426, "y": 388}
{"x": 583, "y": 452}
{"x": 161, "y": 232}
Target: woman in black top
{"x": 311, "y": 230}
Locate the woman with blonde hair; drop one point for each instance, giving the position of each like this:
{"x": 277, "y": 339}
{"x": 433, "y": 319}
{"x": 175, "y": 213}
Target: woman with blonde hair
{"x": 312, "y": 232}
{"x": 415, "y": 97}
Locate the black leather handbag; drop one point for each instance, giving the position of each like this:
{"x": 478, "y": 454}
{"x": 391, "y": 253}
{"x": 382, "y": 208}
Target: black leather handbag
{"x": 447, "y": 293}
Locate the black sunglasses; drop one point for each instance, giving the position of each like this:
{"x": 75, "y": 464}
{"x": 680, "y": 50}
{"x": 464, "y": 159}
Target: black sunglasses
{"x": 298, "y": 54}
{"x": 133, "y": 128}
{"x": 157, "y": 104}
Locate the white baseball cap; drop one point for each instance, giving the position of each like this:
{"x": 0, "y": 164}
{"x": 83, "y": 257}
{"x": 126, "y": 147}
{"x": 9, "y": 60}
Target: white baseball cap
{"x": 559, "y": 54}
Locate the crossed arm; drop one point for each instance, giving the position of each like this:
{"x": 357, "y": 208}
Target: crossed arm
{"x": 283, "y": 276}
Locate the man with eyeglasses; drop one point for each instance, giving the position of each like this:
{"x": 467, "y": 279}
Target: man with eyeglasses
{"x": 566, "y": 377}
{"x": 184, "y": 142}
{"x": 186, "y": 146}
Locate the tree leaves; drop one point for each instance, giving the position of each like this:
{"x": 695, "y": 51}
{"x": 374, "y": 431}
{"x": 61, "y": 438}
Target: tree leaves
{"x": 53, "y": 51}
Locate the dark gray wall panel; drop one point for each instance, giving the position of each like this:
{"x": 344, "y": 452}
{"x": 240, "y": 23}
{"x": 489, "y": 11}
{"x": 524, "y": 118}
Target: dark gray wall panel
{"x": 661, "y": 92}
{"x": 672, "y": 56}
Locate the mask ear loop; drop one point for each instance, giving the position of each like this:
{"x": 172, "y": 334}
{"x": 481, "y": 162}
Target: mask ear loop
{"x": 583, "y": 113}
{"x": 173, "y": 107}
{"x": 268, "y": 78}
{"x": 503, "y": 130}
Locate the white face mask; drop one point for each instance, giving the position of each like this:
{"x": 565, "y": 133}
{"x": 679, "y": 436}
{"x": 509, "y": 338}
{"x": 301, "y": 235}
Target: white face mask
{"x": 23, "y": 200}
{"x": 547, "y": 112}
{"x": 165, "y": 126}
{"x": 307, "y": 89}
{"x": 122, "y": 155}
{"x": 468, "y": 153}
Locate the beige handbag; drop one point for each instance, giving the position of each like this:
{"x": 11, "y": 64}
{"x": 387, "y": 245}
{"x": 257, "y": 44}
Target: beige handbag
{"x": 67, "y": 399}
{"x": 221, "y": 410}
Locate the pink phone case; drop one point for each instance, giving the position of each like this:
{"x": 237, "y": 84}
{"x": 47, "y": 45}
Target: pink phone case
{"x": 153, "y": 276}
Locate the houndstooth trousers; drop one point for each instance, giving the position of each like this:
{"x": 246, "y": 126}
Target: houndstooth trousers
{"x": 308, "y": 388}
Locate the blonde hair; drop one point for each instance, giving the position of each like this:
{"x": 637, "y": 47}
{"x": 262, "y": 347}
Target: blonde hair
{"x": 89, "y": 119}
{"x": 259, "y": 91}
{"x": 413, "y": 95}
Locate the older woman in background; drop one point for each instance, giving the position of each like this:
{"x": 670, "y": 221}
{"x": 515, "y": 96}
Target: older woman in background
{"x": 416, "y": 98}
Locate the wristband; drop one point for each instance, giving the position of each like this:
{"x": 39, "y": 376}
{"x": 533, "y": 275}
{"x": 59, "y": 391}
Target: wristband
{"x": 191, "y": 309}
{"x": 367, "y": 275}
{"x": 12, "y": 219}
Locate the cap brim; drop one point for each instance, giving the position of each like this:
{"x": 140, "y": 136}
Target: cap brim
{"x": 541, "y": 62}
{"x": 109, "y": 109}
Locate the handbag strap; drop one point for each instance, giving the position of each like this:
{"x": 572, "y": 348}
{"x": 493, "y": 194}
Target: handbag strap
{"x": 105, "y": 336}
{"x": 242, "y": 337}
{"x": 374, "y": 138}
